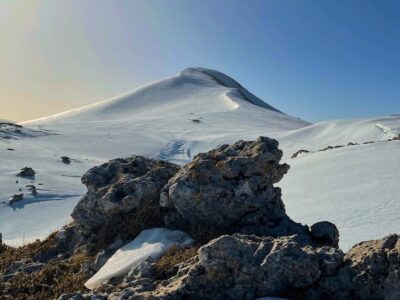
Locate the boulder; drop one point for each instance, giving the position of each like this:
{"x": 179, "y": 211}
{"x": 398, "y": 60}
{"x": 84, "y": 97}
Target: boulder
{"x": 16, "y": 198}
{"x": 230, "y": 189}
{"x": 26, "y": 172}
{"x": 376, "y": 265}
{"x": 122, "y": 191}
{"x": 66, "y": 160}
{"x": 325, "y": 233}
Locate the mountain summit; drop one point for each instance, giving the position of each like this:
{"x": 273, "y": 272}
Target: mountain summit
{"x": 194, "y": 90}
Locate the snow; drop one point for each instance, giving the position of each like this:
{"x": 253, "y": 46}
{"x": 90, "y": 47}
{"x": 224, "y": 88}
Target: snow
{"x": 149, "y": 243}
{"x": 390, "y": 127}
{"x": 354, "y": 187}
{"x": 191, "y": 112}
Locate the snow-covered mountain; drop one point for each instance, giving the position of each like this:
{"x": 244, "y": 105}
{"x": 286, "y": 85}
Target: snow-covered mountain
{"x": 194, "y": 111}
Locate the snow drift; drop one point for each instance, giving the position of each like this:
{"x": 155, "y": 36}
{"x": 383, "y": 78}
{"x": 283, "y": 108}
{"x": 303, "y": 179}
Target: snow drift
{"x": 149, "y": 243}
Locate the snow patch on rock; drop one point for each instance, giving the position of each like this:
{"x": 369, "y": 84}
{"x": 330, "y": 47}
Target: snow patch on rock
{"x": 149, "y": 243}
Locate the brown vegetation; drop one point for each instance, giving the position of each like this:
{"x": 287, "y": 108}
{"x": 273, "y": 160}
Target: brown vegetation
{"x": 167, "y": 265}
{"x": 61, "y": 275}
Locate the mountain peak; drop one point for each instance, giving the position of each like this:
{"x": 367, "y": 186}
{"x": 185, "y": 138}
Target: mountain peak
{"x": 229, "y": 82}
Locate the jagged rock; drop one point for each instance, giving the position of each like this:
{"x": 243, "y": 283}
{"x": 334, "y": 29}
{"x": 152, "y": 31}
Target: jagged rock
{"x": 66, "y": 160}
{"x": 32, "y": 189}
{"x": 22, "y": 266}
{"x": 16, "y": 198}
{"x": 26, "y": 172}
{"x": 376, "y": 265}
{"x": 325, "y": 233}
{"x": 231, "y": 188}
{"x": 122, "y": 190}
{"x": 80, "y": 296}
{"x": 244, "y": 267}
{"x": 101, "y": 259}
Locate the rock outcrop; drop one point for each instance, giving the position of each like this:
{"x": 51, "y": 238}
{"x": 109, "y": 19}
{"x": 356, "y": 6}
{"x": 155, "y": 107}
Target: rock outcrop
{"x": 325, "y": 233}
{"x": 66, "y": 160}
{"x": 230, "y": 189}
{"x": 258, "y": 250}
{"x": 376, "y": 268}
{"x": 122, "y": 193}
{"x": 246, "y": 267}
{"x": 16, "y": 198}
{"x": 27, "y": 172}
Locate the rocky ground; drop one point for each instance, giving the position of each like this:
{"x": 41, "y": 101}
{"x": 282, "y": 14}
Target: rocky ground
{"x": 245, "y": 244}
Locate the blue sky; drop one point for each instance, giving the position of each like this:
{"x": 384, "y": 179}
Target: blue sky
{"x": 316, "y": 60}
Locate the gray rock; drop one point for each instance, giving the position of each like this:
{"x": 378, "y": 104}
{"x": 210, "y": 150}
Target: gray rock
{"x": 246, "y": 267}
{"x": 61, "y": 235}
{"x": 376, "y": 265}
{"x": 120, "y": 192}
{"x": 71, "y": 296}
{"x": 32, "y": 267}
{"x": 144, "y": 269}
{"x": 325, "y": 233}
{"x": 21, "y": 266}
{"x": 115, "y": 245}
{"x": 101, "y": 259}
{"x": 80, "y": 296}
{"x": 26, "y": 172}
{"x": 66, "y": 160}
{"x": 221, "y": 186}
{"x": 15, "y": 266}
{"x": 32, "y": 189}
{"x": 289, "y": 266}
{"x": 231, "y": 189}
{"x": 242, "y": 267}
{"x": 16, "y": 198}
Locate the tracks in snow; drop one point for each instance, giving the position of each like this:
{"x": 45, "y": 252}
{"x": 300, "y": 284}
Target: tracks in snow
{"x": 175, "y": 151}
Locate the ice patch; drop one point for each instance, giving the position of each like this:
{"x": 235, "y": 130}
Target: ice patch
{"x": 151, "y": 242}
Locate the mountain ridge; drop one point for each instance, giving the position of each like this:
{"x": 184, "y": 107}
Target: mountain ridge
{"x": 192, "y": 84}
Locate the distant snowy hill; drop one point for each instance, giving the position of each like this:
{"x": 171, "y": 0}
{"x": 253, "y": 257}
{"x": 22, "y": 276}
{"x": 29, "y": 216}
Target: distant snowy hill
{"x": 194, "y": 111}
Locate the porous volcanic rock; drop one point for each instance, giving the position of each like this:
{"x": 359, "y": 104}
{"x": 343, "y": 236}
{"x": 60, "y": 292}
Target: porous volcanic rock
{"x": 120, "y": 188}
{"x": 247, "y": 267}
{"x": 376, "y": 265}
{"x": 231, "y": 189}
{"x": 243, "y": 267}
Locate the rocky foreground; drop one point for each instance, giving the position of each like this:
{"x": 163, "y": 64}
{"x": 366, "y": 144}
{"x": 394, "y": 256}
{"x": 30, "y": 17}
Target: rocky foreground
{"x": 244, "y": 244}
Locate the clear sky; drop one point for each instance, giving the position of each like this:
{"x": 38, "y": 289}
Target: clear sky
{"x": 317, "y": 60}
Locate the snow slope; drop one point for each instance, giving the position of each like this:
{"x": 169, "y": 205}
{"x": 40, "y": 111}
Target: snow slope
{"x": 173, "y": 119}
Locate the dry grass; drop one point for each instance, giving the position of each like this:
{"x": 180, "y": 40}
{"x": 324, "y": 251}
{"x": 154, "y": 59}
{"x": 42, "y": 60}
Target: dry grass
{"x": 166, "y": 266}
{"x": 8, "y": 254}
{"x": 57, "y": 277}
